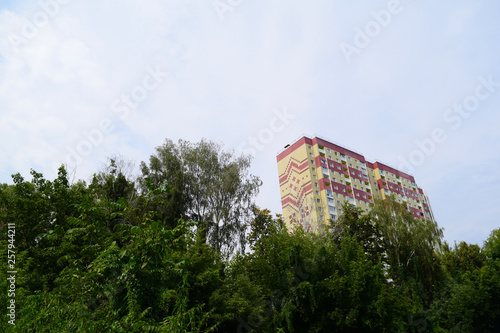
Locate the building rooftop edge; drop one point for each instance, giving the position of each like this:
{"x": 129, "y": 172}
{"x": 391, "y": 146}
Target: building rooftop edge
{"x": 304, "y": 136}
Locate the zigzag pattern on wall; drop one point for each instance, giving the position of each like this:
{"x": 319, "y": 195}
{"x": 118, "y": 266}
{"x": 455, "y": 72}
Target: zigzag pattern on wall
{"x": 292, "y": 201}
{"x": 296, "y": 189}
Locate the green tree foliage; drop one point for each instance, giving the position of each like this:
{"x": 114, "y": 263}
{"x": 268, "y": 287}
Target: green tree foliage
{"x": 410, "y": 246}
{"x": 492, "y": 245}
{"x": 104, "y": 276}
{"x": 463, "y": 258}
{"x": 116, "y": 256}
{"x": 303, "y": 282}
{"x": 362, "y": 227}
{"x": 209, "y": 186}
{"x": 470, "y": 300}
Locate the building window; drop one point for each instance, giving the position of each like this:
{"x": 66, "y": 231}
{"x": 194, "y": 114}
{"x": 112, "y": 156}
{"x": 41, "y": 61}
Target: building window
{"x": 318, "y": 200}
{"x": 316, "y": 184}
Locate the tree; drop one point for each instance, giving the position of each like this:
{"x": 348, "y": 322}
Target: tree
{"x": 491, "y": 247}
{"x": 353, "y": 222}
{"x": 463, "y": 258}
{"x": 410, "y": 245}
{"x": 165, "y": 166}
{"x": 209, "y": 186}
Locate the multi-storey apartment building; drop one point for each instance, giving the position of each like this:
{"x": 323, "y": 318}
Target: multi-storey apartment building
{"x": 316, "y": 177}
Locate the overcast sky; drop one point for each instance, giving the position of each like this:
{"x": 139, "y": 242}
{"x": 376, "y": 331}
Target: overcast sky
{"x": 414, "y": 84}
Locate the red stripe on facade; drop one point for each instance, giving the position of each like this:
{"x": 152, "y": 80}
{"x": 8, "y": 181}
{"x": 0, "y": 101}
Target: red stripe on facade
{"x": 293, "y": 147}
{"x": 294, "y": 167}
{"x": 341, "y": 150}
{"x": 297, "y": 162}
{"x": 381, "y": 166}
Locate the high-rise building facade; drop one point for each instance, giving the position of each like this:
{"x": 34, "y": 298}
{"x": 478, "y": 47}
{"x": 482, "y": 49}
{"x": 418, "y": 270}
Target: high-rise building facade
{"x": 317, "y": 176}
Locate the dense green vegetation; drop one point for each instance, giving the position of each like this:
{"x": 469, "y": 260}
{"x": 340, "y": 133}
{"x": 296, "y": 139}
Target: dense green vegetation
{"x": 183, "y": 249}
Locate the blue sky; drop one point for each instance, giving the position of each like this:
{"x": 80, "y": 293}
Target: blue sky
{"x": 413, "y": 83}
